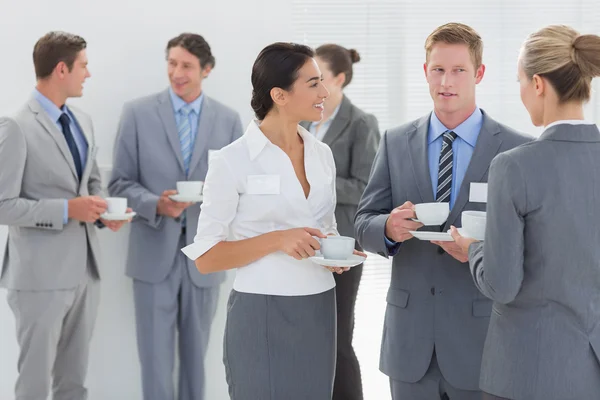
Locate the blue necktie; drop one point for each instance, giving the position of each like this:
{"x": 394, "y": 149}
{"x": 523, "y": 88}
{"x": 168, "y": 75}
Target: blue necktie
{"x": 185, "y": 140}
{"x": 185, "y": 136}
{"x": 65, "y": 123}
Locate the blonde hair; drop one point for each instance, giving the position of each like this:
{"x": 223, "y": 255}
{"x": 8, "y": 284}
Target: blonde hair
{"x": 568, "y": 60}
{"x": 457, "y": 33}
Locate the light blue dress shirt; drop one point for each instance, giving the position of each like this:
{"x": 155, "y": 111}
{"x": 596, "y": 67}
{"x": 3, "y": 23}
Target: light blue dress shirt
{"x": 194, "y": 116}
{"x": 462, "y": 148}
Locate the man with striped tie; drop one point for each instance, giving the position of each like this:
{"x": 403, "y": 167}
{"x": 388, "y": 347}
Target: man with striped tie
{"x": 162, "y": 139}
{"x": 436, "y": 320}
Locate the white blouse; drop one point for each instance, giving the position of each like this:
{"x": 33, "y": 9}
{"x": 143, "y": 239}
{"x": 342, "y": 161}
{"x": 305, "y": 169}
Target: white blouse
{"x": 251, "y": 189}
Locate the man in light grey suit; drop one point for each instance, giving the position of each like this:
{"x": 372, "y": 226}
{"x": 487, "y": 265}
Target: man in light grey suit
{"x": 49, "y": 198}
{"x": 162, "y": 139}
{"x": 436, "y": 319}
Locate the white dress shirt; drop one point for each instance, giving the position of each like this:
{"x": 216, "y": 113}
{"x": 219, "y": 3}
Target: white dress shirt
{"x": 568, "y": 121}
{"x": 251, "y": 189}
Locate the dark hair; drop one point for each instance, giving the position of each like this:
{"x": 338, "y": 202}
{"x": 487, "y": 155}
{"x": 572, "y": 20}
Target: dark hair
{"x": 196, "y": 45}
{"x": 339, "y": 59}
{"x": 276, "y": 66}
{"x": 53, "y": 48}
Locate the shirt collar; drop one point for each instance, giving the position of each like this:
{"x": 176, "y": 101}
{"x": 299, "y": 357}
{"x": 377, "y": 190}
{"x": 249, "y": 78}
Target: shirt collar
{"x": 179, "y": 103}
{"x": 51, "y": 109}
{"x": 570, "y": 122}
{"x": 467, "y": 131}
{"x": 257, "y": 141}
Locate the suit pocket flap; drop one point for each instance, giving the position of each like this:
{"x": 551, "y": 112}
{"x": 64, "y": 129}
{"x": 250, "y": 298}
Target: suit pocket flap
{"x": 595, "y": 341}
{"x": 398, "y": 297}
{"x": 482, "y": 308}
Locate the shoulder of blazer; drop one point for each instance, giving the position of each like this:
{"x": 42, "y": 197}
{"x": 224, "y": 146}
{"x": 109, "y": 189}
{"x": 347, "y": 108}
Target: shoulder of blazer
{"x": 513, "y": 136}
{"x": 407, "y": 128}
{"x": 220, "y": 109}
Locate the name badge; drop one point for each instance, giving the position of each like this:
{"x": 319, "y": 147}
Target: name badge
{"x": 263, "y": 184}
{"x": 478, "y": 192}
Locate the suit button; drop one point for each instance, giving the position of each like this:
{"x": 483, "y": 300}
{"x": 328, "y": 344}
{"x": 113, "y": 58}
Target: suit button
{"x": 432, "y": 291}
{"x": 440, "y": 250}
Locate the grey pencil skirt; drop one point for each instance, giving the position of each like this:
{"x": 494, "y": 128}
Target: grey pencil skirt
{"x": 280, "y": 347}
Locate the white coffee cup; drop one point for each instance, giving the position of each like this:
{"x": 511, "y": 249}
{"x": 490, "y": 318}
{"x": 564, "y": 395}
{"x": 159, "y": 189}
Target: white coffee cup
{"x": 190, "y": 188}
{"x": 337, "y": 247}
{"x": 116, "y": 205}
{"x": 473, "y": 224}
{"x": 432, "y": 213}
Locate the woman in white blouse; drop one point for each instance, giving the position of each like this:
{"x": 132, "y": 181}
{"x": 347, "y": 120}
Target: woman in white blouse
{"x": 267, "y": 198}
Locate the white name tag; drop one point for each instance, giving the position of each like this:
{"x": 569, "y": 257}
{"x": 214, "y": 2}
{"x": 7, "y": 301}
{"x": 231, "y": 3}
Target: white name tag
{"x": 263, "y": 184}
{"x": 478, "y": 192}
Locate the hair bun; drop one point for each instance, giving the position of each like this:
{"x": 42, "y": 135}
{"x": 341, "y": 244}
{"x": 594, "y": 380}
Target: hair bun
{"x": 354, "y": 56}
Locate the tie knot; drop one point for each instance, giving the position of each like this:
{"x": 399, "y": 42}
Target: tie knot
{"x": 186, "y": 110}
{"x": 449, "y": 137}
{"x": 64, "y": 119}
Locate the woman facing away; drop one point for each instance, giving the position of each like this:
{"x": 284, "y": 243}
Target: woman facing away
{"x": 540, "y": 261}
{"x": 268, "y": 197}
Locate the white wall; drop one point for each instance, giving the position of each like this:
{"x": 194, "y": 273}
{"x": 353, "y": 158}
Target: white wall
{"x": 126, "y": 40}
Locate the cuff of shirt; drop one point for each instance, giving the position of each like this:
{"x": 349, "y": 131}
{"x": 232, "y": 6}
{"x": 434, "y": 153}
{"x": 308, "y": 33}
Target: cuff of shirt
{"x": 66, "y": 213}
{"x": 392, "y": 246}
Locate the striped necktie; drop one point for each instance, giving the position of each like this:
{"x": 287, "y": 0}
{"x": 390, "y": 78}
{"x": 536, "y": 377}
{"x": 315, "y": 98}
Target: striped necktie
{"x": 444, "y": 188}
{"x": 185, "y": 136}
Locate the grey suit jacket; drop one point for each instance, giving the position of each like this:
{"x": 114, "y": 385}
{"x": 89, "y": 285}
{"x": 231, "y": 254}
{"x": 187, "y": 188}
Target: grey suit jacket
{"x": 148, "y": 161}
{"x": 353, "y": 137}
{"x": 37, "y": 175}
{"x": 432, "y": 300}
{"x": 540, "y": 263}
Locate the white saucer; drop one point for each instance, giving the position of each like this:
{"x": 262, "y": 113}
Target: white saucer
{"x": 118, "y": 217}
{"x": 429, "y": 236}
{"x": 351, "y": 261}
{"x": 463, "y": 233}
{"x": 186, "y": 198}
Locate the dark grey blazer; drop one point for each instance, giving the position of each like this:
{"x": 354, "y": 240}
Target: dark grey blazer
{"x": 540, "y": 263}
{"x": 432, "y": 300}
{"x": 353, "y": 138}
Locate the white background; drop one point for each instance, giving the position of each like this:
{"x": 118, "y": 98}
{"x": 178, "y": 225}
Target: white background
{"x": 126, "y": 52}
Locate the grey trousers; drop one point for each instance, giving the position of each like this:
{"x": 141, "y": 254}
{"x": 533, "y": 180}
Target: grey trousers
{"x": 431, "y": 387}
{"x": 54, "y": 329}
{"x": 280, "y": 347}
{"x": 162, "y": 310}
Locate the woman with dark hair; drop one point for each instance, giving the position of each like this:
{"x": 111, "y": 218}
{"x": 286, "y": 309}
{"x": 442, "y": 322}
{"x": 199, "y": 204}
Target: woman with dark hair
{"x": 353, "y": 136}
{"x": 268, "y": 197}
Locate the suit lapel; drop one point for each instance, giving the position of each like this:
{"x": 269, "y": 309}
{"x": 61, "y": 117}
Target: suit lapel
{"x": 52, "y": 129}
{"x": 86, "y": 130}
{"x": 417, "y": 144}
{"x": 205, "y": 131}
{"x": 167, "y": 116}
{"x": 339, "y": 123}
{"x": 486, "y": 148}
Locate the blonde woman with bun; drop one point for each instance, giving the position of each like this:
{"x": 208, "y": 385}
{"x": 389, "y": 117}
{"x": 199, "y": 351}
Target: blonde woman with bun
{"x": 353, "y": 136}
{"x": 540, "y": 261}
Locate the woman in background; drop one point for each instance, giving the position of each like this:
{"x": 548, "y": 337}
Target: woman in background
{"x": 353, "y": 136}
